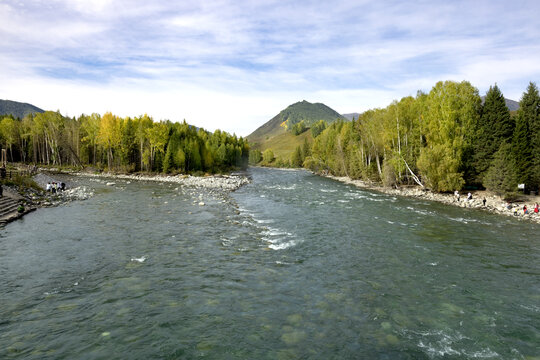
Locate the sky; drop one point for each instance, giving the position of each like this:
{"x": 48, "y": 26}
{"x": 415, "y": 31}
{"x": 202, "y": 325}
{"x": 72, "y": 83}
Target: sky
{"x": 233, "y": 65}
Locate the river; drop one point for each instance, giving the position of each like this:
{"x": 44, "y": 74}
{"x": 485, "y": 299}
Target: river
{"x": 291, "y": 266}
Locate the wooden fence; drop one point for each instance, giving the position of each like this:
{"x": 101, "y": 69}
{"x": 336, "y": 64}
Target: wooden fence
{"x": 12, "y": 173}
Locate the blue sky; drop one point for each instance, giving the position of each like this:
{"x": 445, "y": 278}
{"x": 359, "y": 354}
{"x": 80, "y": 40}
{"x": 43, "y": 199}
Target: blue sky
{"x": 233, "y": 65}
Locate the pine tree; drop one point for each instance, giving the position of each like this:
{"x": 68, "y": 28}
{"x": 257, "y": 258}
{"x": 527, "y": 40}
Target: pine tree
{"x": 168, "y": 160}
{"x": 501, "y": 176}
{"x": 306, "y": 149}
{"x": 521, "y": 145}
{"x": 529, "y": 110}
{"x": 495, "y": 127}
{"x": 296, "y": 158}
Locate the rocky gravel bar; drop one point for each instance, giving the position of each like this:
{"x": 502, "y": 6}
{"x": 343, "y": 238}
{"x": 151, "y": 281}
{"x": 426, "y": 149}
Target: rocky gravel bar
{"x": 214, "y": 182}
{"x": 494, "y": 204}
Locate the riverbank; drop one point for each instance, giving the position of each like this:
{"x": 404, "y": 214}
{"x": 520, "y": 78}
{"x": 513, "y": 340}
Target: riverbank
{"x": 33, "y": 198}
{"x": 494, "y": 204}
{"x": 13, "y": 206}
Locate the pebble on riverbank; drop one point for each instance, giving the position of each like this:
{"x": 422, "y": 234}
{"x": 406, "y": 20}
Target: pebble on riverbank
{"x": 494, "y": 204}
{"x": 216, "y": 182}
{"x": 35, "y": 198}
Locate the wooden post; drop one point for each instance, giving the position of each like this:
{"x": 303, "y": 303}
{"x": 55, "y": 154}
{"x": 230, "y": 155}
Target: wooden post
{"x": 3, "y": 160}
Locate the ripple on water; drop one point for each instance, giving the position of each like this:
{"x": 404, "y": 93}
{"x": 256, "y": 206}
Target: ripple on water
{"x": 279, "y": 239}
{"x": 297, "y": 274}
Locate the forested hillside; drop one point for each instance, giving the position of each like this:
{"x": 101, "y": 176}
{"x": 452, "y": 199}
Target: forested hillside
{"x": 115, "y": 143}
{"x": 444, "y": 140}
{"x": 296, "y": 118}
{"x": 289, "y": 129}
{"x": 17, "y": 109}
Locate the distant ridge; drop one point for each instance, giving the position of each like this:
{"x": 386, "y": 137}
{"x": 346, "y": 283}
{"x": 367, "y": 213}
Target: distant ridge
{"x": 350, "y": 116}
{"x": 17, "y": 109}
{"x": 510, "y": 104}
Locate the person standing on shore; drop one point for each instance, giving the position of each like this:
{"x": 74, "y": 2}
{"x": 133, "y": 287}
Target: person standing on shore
{"x": 456, "y": 194}
{"x": 536, "y": 208}
{"x": 484, "y": 201}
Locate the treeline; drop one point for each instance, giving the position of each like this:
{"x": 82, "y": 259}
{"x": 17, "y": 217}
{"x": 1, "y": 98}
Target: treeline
{"x": 124, "y": 144}
{"x": 445, "y": 140}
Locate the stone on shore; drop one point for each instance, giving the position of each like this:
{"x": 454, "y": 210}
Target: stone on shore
{"x": 494, "y": 204}
{"x": 216, "y": 182}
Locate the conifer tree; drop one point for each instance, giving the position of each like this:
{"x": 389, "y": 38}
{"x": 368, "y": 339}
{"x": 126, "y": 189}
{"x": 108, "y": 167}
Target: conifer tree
{"x": 501, "y": 177}
{"x": 529, "y": 109}
{"x": 527, "y": 118}
{"x": 494, "y": 128}
{"x": 306, "y": 149}
{"x": 296, "y": 158}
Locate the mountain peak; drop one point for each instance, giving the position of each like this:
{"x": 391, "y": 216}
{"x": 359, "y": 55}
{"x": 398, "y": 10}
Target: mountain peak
{"x": 17, "y": 109}
{"x": 303, "y": 110}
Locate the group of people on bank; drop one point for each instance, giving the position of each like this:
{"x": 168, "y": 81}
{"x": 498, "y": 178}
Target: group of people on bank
{"x": 55, "y": 187}
{"x": 516, "y": 209}
{"x": 536, "y": 209}
{"x": 469, "y": 197}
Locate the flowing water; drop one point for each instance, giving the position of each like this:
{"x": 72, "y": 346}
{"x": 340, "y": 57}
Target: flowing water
{"x": 291, "y": 266}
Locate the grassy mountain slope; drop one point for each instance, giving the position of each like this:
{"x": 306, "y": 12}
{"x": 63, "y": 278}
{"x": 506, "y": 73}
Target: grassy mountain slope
{"x": 293, "y": 114}
{"x": 17, "y": 109}
{"x": 284, "y": 144}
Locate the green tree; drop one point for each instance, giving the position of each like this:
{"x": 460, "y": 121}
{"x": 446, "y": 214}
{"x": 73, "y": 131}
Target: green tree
{"x": 142, "y": 124}
{"x": 501, "y": 175}
{"x": 49, "y": 128}
{"x": 180, "y": 159}
{"x": 9, "y": 133}
{"x": 299, "y": 128}
{"x": 306, "y": 149}
{"x": 255, "y": 157}
{"x": 452, "y": 111}
{"x": 168, "y": 161}
{"x": 522, "y": 143}
{"x": 318, "y": 128}
{"x": 158, "y": 136}
{"x": 128, "y": 143}
{"x": 110, "y": 136}
{"x": 90, "y": 133}
{"x": 296, "y": 158}
{"x": 268, "y": 156}
{"x": 495, "y": 127}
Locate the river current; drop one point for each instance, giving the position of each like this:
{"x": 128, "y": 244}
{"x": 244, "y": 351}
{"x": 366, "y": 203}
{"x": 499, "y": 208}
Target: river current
{"x": 291, "y": 266}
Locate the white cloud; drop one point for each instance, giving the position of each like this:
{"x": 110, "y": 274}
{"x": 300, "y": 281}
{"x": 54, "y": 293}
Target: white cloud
{"x": 234, "y": 65}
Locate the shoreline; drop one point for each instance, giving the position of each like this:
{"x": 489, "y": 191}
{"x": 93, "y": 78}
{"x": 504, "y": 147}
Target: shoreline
{"x": 494, "y": 204}
{"x": 35, "y": 199}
